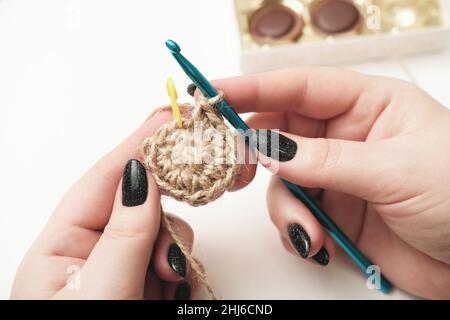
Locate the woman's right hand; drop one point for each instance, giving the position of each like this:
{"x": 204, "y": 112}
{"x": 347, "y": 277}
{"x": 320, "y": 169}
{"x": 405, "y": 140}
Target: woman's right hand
{"x": 375, "y": 153}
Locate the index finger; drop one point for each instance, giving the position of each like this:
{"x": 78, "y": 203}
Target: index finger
{"x": 315, "y": 92}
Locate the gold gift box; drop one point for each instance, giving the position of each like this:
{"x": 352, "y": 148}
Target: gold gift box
{"x": 283, "y": 33}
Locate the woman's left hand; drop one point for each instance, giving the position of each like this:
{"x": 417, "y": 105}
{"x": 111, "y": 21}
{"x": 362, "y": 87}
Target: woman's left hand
{"x": 104, "y": 241}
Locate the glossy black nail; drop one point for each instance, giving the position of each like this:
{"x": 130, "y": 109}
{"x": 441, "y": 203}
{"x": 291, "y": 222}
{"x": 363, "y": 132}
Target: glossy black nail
{"x": 322, "y": 257}
{"x": 275, "y": 145}
{"x": 299, "y": 239}
{"x": 183, "y": 291}
{"x": 177, "y": 260}
{"x": 191, "y": 89}
{"x": 134, "y": 184}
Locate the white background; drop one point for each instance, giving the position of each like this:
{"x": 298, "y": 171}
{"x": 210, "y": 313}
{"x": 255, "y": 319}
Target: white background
{"x": 76, "y": 77}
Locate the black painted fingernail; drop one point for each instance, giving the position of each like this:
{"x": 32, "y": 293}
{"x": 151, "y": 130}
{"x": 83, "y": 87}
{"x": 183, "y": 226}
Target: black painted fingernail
{"x": 275, "y": 145}
{"x": 134, "y": 184}
{"x": 191, "y": 89}
{"x": 299, "y": 239}
{"x": 177, "y": 260}
{"x": 183, "y": 292}
{"x": 322, "y": 257}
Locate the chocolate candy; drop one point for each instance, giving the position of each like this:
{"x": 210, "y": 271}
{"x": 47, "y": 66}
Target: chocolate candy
{"x": 335, "y": 16}
{"x": 275, "y": 23}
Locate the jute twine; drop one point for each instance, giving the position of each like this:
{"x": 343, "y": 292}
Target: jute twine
{"x": 195, "y": 164}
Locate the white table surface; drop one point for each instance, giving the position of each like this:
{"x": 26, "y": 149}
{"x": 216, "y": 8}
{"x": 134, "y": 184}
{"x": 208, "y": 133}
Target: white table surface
{"x": 76, "y": 77}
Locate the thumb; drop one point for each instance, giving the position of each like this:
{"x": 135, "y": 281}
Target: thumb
{"x": 340, "y": 165}
{"x": 117, "y": 266}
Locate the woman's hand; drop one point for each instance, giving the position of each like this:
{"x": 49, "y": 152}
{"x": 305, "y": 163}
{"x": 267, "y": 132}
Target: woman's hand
{"x": 104, "y": 240}
{"x": 375, "y": 153}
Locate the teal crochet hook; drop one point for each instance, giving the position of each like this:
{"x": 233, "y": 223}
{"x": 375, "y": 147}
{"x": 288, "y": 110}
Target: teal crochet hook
{"x": 236, "y": 121}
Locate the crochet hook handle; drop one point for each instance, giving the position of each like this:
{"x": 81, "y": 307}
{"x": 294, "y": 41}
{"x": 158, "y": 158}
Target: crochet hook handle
{"x": 236, "y": 121}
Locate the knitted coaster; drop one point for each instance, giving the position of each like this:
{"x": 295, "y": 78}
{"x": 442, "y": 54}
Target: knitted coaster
{"x": 198, "y": 162}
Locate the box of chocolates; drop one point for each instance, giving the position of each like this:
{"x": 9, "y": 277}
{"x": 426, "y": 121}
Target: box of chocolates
{"x": 284, "y": 33}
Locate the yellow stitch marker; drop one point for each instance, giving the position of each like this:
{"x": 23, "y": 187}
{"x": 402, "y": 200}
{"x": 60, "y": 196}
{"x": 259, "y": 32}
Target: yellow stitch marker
{"x": 172, "y": 91}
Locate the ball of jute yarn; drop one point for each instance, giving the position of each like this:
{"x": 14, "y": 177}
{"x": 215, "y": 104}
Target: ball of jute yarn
{"x": 192, "y": 167}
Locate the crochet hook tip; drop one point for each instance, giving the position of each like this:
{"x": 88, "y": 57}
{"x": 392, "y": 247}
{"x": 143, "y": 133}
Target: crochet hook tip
{"x": 173, "y": 46}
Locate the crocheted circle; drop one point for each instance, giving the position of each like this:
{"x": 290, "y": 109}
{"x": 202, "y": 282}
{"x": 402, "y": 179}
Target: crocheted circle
{"x": 196, "y": 163}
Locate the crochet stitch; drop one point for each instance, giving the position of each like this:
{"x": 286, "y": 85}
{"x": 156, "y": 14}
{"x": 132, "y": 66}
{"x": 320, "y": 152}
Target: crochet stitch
{"x": 197, "y": 163}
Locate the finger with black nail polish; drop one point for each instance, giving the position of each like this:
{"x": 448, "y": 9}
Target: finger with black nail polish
{"x": 177, "y": 260}
{"x": 299, "y": 239}
{"x": 191, "y": 89}
{"x": 275, "y": 145}
{"x": 134, "y": 184}
{"x": 169, "y": 259}
{"x": 183, "y": 291}
{"x": 322, "y": 257}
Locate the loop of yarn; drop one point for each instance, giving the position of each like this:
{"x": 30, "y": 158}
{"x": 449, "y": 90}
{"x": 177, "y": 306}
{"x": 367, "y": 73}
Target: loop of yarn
{"x": 197, "y": 163}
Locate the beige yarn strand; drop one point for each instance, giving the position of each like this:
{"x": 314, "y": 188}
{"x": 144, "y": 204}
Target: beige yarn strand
{"x": 196, "y": 184}
{"x": 193, "y": 264}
